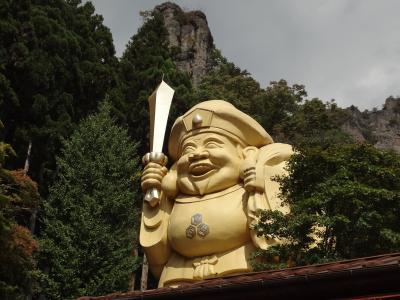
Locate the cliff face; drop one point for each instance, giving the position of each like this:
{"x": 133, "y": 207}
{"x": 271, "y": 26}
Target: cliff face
{"x": 191, "y": 42}
{"x": 189, "y": 38}
{"x": 378, "y": 127}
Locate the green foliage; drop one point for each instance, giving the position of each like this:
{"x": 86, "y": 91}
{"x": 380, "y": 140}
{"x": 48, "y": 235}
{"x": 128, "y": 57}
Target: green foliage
{"x": 281, "y": 109}
{"x": 314, "y": 123}
{"x": 270, "y": 107}
{"x": 230, "y": 83}
{"x": 345, "y": 203}
{"x": 56, "y": 63}
{"x": 146, "y": 60}
{"x": 90, "y": 214}
{"x": 279, "y": 104}
{"x": 18, "y": 193}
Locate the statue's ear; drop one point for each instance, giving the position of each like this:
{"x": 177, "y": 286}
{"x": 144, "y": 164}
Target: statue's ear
{"x": 169, "y": 183}
{"x": 250, "y": 152}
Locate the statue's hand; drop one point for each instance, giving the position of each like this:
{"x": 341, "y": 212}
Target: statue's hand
{"x": 152, "y": 176}
{"x": 249, "y": 178}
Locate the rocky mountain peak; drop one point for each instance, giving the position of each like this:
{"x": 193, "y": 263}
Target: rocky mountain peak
{"x": 189, "y": 38}
{"x": 392, "y": 104}
{"x": 191, "y": 43}
{"x": 378, "y": 127}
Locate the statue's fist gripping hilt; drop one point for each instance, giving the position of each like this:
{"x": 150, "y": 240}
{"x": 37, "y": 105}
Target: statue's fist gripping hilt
{"x": 155, "y": 170}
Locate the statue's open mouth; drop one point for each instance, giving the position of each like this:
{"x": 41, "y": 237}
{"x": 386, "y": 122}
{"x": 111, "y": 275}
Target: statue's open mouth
{"x": 200, "y": 169}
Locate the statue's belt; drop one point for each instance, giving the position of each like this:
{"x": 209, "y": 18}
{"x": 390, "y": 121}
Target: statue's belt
{"x": 182, "y": 269}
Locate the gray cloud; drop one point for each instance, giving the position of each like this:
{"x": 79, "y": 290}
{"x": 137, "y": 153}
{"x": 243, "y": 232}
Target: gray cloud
{"x": 348, "y": 50}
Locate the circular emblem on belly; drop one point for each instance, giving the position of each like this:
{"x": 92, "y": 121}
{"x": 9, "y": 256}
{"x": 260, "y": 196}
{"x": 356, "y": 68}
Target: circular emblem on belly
{"x": 202, "y": 229}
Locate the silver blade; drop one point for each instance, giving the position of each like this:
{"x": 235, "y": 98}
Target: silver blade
{"x": 159, "y": 104}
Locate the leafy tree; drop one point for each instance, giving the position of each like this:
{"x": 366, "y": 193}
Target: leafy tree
{"x": 281, "y": 109}
{"x": 90, "y": 214}
{"x": 278, "y": 104}
{"x": 146, "y": 60}
{"x": 230, "y": 83}
{"x": 271, "y": 106}
{"x": 56, "y": 63}
{"x": 18, "y": 193}
{"x": 312, "y": 123}
{"x": 345, "y": 203}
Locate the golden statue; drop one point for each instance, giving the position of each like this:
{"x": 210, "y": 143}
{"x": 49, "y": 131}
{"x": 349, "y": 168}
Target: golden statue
{"x": 200, "y": 225}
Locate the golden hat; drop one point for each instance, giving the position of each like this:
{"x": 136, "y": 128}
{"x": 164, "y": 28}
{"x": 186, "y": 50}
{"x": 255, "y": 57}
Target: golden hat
{"x": 216, "y": 116}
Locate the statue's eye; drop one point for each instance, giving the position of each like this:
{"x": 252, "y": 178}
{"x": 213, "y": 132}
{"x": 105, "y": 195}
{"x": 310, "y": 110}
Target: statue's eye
{"x": 213, "y": 144}
{"x": 187, "y": 150}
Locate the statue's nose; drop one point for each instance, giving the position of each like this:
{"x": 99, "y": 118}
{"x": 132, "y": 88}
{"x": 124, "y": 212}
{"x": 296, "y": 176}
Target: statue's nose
{"x": 198, "y": 154}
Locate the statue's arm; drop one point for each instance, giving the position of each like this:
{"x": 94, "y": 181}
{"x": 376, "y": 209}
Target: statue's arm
{"x": 153, "y": 234}
{"x": 154, "y": 222}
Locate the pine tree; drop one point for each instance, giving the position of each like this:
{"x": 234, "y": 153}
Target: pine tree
{"x": 90, "y": 214}
{"x": 146, "y": 60}
{"x": 56, "y": 63}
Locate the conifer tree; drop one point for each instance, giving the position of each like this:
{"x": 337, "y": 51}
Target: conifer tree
{"x": 56, "y": 63}
{"x": 90, "y": 214}
{"x": 146, "y": 60}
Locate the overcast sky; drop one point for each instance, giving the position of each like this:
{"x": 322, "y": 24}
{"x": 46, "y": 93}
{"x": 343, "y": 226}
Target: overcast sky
{"x": 347, "y": 50}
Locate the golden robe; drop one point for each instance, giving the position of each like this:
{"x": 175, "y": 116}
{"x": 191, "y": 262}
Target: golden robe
{"x": 191, "y": 238}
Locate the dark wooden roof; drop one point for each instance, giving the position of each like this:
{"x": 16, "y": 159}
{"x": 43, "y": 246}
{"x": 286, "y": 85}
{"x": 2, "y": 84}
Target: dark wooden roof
{"x": 337, "y": 280}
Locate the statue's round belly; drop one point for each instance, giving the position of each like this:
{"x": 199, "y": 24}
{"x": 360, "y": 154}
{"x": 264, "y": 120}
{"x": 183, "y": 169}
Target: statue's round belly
{"x": 210, "y": 226}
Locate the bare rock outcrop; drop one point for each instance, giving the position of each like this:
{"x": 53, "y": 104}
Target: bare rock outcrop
{"x": 378, "y": 127}
{"x": 191, "y": 43}
{"x": 189, "y": 38}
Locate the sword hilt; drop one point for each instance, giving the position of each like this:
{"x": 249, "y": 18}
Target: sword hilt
{"x": 153, "y": 194}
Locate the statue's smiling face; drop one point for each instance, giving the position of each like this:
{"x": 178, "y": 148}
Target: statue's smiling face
{"x": 209, "y": 163}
